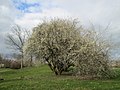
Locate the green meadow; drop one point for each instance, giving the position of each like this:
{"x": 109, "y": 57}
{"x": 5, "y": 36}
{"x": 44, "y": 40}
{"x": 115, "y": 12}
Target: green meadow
{"x": 42, "y": 78}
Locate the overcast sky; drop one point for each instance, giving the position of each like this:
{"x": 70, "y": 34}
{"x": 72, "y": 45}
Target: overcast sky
{"x": 29, "y": 13}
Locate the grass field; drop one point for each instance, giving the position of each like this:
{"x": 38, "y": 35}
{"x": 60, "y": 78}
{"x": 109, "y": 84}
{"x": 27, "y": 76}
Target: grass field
{"x": 41, "y": 78}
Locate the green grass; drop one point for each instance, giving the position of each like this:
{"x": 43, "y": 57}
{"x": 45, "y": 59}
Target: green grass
{"x": 41, "y": 78}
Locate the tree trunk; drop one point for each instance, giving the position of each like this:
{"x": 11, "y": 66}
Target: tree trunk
{"x": 22, "y": 61}
{"x": 31, "y": 60}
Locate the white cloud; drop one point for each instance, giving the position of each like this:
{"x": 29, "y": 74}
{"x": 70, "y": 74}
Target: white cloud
{"x": 30, "y": 20}
{"x": 99, "y": 12}
{"x": 7, "y": 15}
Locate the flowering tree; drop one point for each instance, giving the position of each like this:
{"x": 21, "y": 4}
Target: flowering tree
{"x": 63, "y": 43}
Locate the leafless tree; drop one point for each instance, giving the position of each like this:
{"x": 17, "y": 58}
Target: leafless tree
{"x": 16, "y": 40}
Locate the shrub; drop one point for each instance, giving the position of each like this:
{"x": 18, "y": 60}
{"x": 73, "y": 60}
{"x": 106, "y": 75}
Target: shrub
{"x": 7, "y": 63}
{"x": 15, "y": 65}
{"x": 2, "y": 65}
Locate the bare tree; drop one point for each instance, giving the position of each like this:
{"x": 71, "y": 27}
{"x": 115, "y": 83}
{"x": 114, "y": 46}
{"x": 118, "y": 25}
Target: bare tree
{"x": 16, "y": 40}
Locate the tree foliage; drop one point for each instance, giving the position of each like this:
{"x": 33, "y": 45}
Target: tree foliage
{"x": 55, "y": 42}
{"x": 94, "y": 56}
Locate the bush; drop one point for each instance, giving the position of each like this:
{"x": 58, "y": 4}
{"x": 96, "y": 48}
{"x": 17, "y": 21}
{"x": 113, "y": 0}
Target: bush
{"x": 2, "y": 65}
{"x": 7, "y": 63}
{"x": 15, "y": 65}
{"x": 94, "y": 57}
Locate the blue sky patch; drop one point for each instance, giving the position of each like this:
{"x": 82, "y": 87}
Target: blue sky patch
{"x": 24, "y": 6}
